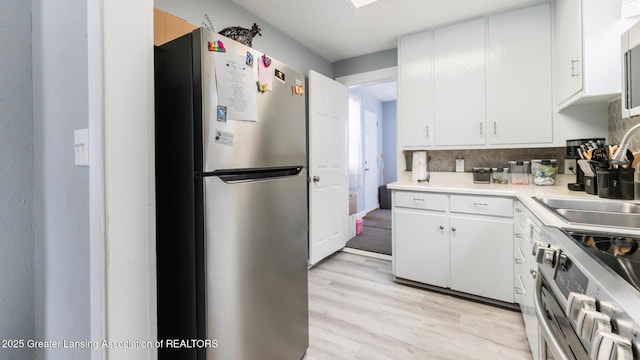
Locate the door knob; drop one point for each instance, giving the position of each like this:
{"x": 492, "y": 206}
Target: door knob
{"x": 316, "y": 179}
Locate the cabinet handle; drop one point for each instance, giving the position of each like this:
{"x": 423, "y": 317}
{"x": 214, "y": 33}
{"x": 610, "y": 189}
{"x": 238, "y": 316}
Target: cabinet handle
{"x": 519, "y": 291}
{"x": 453, "y": 229}
{"x": 427, "y": 131}
{"x": 480, "y": 204}
{"x": 480, "y": 129}
{"x": 519, "y": 261}
{"x": 441, "y": 227}
{"x": 519, "y": 210}
{"x": 495, "y": 132}
{"x": 519, "y": 236}
{"x": 417, "y": 199}
{"x": 573, "y": 68}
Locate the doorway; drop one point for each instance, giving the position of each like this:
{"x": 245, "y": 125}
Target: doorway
{"x": 378, "y": 152}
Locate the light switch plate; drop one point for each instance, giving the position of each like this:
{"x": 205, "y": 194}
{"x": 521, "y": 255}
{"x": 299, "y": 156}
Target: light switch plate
{"x": 81, "y": 147}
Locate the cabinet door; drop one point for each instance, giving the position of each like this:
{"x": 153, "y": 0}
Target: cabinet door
{"x": 519, "y": 76}
{"x": 459, "y": 79}
{"x": 482, "y": 256}
{"x": 421, "y": 249}
{"x": 415, "y": 89}
{"x": 568, "y": 22}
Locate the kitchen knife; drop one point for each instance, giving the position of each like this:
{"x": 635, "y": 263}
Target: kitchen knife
{"x": 586, "y": 167}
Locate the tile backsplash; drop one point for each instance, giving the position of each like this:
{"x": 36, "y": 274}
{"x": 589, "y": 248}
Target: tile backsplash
{"x": 619, "y": 126}
{"x": 445, "y": 160}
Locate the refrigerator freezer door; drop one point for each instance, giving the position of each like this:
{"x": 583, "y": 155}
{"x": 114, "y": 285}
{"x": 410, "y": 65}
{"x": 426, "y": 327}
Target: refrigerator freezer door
{"x": 277, "y": 137}
{"x": 256, "y": 268}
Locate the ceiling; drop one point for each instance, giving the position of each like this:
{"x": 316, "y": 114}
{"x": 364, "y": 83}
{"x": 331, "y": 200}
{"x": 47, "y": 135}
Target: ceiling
{"x": 383, "y": 92}
{"x": 337, "y": 30}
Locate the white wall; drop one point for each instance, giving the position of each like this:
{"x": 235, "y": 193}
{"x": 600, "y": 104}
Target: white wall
{"x": 366, "y": 63}
{"x": 16, "y": 178}
{"x": 389, "y": 140}
{"x": 375, "y": 106}
{"x": 224, "y": 13}
{"x": 61, "y": 189}
{"x": 580, "y": 122}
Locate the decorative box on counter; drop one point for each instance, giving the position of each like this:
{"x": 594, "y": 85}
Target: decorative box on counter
{"x": 481, "y": 175}
{"x": 500, "y": 175}
{"x": 544, "y": 171}
{"x": 520, "y": 171}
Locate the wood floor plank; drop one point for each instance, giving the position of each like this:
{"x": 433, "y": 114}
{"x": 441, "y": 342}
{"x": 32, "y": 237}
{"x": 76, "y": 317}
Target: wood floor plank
{"x": 357, "y": 311}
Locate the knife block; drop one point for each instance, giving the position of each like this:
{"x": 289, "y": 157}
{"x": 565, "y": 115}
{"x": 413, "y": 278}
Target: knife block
{"x": 615, "y": 183}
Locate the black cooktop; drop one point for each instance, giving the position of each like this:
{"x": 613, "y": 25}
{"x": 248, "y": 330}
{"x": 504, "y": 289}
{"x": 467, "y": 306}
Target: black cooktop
{"x": 619, "y": 252}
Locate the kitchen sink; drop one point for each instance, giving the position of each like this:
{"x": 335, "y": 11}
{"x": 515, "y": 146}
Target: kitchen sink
{"x": 594, "y": 212}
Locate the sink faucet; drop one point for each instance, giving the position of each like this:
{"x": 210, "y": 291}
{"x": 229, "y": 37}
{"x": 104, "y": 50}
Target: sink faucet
{"x": 620, "y": 154}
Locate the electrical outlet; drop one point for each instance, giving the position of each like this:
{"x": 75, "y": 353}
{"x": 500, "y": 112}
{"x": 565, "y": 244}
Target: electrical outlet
{"x": 570, "y": 166}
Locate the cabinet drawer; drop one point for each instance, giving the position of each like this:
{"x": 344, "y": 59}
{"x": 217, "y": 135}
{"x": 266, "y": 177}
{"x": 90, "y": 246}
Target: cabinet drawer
{"x": 421, "y": 200}
{"x": 482, "y": 205}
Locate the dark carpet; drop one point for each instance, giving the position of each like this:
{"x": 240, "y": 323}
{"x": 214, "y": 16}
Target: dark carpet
{"x": 376, "y": 233}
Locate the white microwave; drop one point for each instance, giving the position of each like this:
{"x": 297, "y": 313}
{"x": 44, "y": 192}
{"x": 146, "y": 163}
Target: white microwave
{"x": 631, "y": 72}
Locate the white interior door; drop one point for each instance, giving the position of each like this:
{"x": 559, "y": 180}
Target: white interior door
{"x": 370, "y": 160}
{"x": 328, "y": 171}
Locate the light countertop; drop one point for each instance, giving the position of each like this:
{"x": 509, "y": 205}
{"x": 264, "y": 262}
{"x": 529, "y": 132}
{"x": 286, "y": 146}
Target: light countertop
{"x": 462, "y": 183}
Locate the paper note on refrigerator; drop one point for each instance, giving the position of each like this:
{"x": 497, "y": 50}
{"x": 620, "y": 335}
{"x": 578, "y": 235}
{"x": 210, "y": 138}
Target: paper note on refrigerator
{"x": 236, "y": 85}
{"x": 264, "y": 75}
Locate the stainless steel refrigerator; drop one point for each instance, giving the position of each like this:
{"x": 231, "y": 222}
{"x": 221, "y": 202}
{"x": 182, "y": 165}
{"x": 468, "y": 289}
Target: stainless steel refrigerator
{"x": 231, "y": 200}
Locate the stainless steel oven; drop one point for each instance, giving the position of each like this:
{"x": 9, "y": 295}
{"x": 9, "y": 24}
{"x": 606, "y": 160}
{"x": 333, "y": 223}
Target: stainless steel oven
{"x": 585, "y": 308}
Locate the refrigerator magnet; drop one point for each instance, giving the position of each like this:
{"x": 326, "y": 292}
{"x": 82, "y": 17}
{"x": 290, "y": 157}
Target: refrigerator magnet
{"x": 266, "y": 61}
{"x": 280, "y": 75}
{"x": 298, "y": 87}
{"x": 216, "y": 46}
{"x": 262, "y": 87}
{"x": 222, "y": 113}
{"x": 249, "y": 58}
{"x": 224, "y": 138}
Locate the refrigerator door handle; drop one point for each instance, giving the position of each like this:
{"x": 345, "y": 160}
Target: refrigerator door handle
{"x": 245, "y": 175}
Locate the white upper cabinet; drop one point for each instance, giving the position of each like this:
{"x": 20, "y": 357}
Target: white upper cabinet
{"x": 587, "y": 52}
{"x": 519, "y": 103}
{"x": 415, "y": 89}
{"x": 487, "y": 81}
{"x": 459, "y": 84}
{"x": 568, "y": 48}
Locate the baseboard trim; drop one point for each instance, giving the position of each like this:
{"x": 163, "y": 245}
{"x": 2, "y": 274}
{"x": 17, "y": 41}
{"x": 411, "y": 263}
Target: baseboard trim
{"x": 367, "y": 253}
{"x": 476, "y": 298}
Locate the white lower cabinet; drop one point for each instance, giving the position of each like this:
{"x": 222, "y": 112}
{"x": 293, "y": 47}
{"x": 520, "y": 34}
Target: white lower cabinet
{"x": 481, "y": 256}
{"x": 422, "y": 255}
{"x": 460, "y": 242}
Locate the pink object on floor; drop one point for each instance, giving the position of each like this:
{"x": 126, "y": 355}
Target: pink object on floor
{"x": 359, "y": 224}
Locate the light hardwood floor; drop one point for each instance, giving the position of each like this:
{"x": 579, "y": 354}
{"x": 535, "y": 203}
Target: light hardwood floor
{"x": 356, "y": 311}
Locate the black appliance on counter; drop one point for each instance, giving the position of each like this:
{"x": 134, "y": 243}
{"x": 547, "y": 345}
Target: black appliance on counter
{"x": 575, "y": 148}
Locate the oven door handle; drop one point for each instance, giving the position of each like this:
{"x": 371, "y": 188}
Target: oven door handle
{"x": 543, "y": 322}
